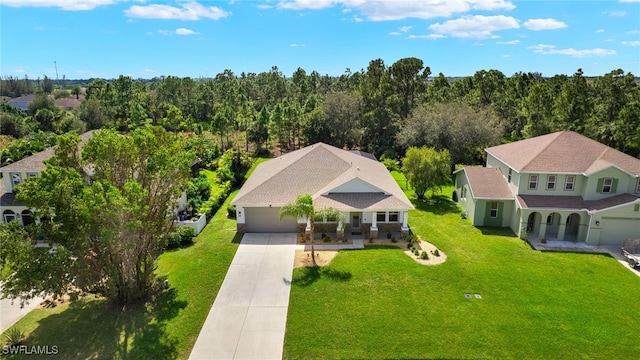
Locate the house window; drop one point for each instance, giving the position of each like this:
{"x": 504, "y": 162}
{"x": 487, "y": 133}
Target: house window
{"x": 550, "y": 219}
{"x": 606, "y": 185}
{"x": 551, "y": 182}
{"x": 638, "y": 186}
{"x": 568, "y": 185}
{"x": 15, "y": 179}
{"x": 381, "y": 216}
{"x": 8, "y": 215}
{"x": 464, "y": 192}
{"x": 509, "y": 176}
{"x": 533, "y": 182}
{"x": 393, "y": 216}
{"x": 494, "y": 210}
{"x": 32, "y": 174}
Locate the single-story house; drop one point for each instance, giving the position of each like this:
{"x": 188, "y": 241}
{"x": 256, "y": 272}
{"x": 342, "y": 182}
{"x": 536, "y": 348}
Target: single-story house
{"x": 353, "y": 182}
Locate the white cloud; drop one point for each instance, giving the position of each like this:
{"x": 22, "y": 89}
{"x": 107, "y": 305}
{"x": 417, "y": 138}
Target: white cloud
{"x": 185, "y": 31}
{"x": 512, "y": 42}
{"x": 506, "y": 56}
{"x": 164, "y": 32}
{"x": 477, "y": 26}
{"x": 633, "y": 32}
{"x": 187, "y": 11}
{"x": 615, "y": 13}
{"x": 544, "y": 24}
{"x": 599, "y": 31}
{"x": 377, "y": 10}
{"x": 430, "y": 36}
{"x": 62, "y": 4}
{"x": 395, "y": 33}
{"x": 551, "y": 50}
{"x": 264, "y": 6}
{"x": 39, "y": 28}
{"x": 297, "y": 45}
{"x": 630, "y": 43}
{"x": 405, "y": 28}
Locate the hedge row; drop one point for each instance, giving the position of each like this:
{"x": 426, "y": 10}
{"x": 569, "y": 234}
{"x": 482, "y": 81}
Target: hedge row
{"x": 211, "y": 206}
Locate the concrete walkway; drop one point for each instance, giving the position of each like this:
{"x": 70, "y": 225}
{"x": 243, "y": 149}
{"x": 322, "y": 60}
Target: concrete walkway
{"x": 249, "y": 316}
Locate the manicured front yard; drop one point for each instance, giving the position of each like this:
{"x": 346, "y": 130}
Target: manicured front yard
{"x": 379, "y": 303}
{"x": 166, "y": 329}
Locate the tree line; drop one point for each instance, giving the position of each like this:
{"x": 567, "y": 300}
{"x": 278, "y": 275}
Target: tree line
{"x": 381, "y": 109}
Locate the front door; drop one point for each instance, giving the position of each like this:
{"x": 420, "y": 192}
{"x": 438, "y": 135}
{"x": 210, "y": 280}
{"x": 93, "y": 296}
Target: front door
{"x": 355, "y": 221}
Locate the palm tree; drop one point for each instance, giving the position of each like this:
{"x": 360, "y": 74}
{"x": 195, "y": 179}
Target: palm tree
{"x": 303, "y": 208}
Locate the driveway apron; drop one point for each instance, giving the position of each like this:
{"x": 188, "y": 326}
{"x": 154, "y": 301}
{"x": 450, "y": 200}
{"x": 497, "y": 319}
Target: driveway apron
{"x": 249, "y": 316}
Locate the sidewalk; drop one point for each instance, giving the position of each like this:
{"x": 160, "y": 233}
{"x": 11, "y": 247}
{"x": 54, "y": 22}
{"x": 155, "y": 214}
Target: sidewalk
{"x": 249, "y": 316}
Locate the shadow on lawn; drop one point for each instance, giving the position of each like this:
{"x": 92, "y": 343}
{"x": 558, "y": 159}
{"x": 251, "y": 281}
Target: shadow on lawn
{"x": 436, "y": 204}
{"x": 96, "y": 329}
{"x": 496, "y": 231}
{"x": 309, "y": 275}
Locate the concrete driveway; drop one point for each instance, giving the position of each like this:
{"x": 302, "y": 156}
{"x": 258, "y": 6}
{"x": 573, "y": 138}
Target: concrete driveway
{"x": 11, "y": 311}
{"x": 249, "y": 316}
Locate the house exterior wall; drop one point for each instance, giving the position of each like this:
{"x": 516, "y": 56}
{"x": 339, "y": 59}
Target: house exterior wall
{"x": 482, "y": 215}
{"x": 467, "y": 202}
{"x": 522, "y": 187}
{"x": 621, "y": 183}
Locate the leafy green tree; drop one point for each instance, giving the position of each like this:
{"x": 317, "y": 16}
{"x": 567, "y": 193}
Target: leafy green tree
{"x": 456, "y": 127}
{"x": 106, "y": 233}
{"x": 303, "y": 208}
{"x": 573, "y": 105}
{"x": 426, "y": 169}
{"x": 409, "y": 78}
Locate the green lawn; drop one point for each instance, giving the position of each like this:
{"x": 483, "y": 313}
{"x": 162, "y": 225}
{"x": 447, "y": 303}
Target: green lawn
{"x": 379, "y": 303}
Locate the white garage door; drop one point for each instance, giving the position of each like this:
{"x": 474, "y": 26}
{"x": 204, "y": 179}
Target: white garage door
{"x": 615, "y": 231}
{"x": 265, "y": 220}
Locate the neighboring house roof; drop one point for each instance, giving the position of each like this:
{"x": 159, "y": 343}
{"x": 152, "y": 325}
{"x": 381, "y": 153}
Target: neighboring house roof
{"x": 68, "y": 103}
{"x": 563, "y": 152}
{"x": 327, "y": 173}
{"x": 487, "y": 183}
{"x": 365, "y": 154}
{"x": 574, "y": 202}
{"x": 35, "y": 162}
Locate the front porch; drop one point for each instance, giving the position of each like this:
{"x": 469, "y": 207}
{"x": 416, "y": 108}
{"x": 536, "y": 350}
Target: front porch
{"x": 554, "y": 244}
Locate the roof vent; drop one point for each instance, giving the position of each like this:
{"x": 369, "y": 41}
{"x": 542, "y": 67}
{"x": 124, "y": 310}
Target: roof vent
{"x": 358, "y": 168}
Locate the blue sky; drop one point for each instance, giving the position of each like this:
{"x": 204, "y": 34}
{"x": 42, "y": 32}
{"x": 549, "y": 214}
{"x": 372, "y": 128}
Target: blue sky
{"x": 143, "y": 39}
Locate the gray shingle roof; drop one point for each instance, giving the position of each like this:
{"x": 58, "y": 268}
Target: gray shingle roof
{"x": 35, "y": 162}
{"x": 318, "y": 170}
{"x": 563, "y": 152}
{"x": 487, "y": 183}
{"x": 574, "y": 202}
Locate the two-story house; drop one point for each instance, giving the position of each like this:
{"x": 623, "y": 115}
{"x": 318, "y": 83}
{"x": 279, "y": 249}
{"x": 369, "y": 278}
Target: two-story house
{"x": 17, "y": 172}
{"x": 559, "y": 186}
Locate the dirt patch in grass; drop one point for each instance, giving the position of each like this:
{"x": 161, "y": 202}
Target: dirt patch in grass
{"x": 421, "y": 246}
{"x": 323, "y": 258}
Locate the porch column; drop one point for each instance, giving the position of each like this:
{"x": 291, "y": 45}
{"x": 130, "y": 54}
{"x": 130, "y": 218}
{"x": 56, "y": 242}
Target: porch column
{"x": 240, "y": 220}
{"x": 562, "y": 227}
{"x": 404, "y": 230}
{"x": 307, "y": 230}
{"x": 542, "y": 232}
{"x": 373, "y": 231}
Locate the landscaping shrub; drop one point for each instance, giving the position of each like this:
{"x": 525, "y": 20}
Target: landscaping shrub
{"x": 211, "y": 206}
{"x": 436, "y": 252}
{"x": 198, "y": 192}
{"x": 424, "y": 255}
{"x": 181, "y": 236}
{"x": 14, "y": 336}
{"x": 231, "y": 211}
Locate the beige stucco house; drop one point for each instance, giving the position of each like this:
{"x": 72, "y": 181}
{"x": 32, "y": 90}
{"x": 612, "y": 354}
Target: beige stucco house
{"x": 559, "y": 186}
{"x": 354, "y": 182}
